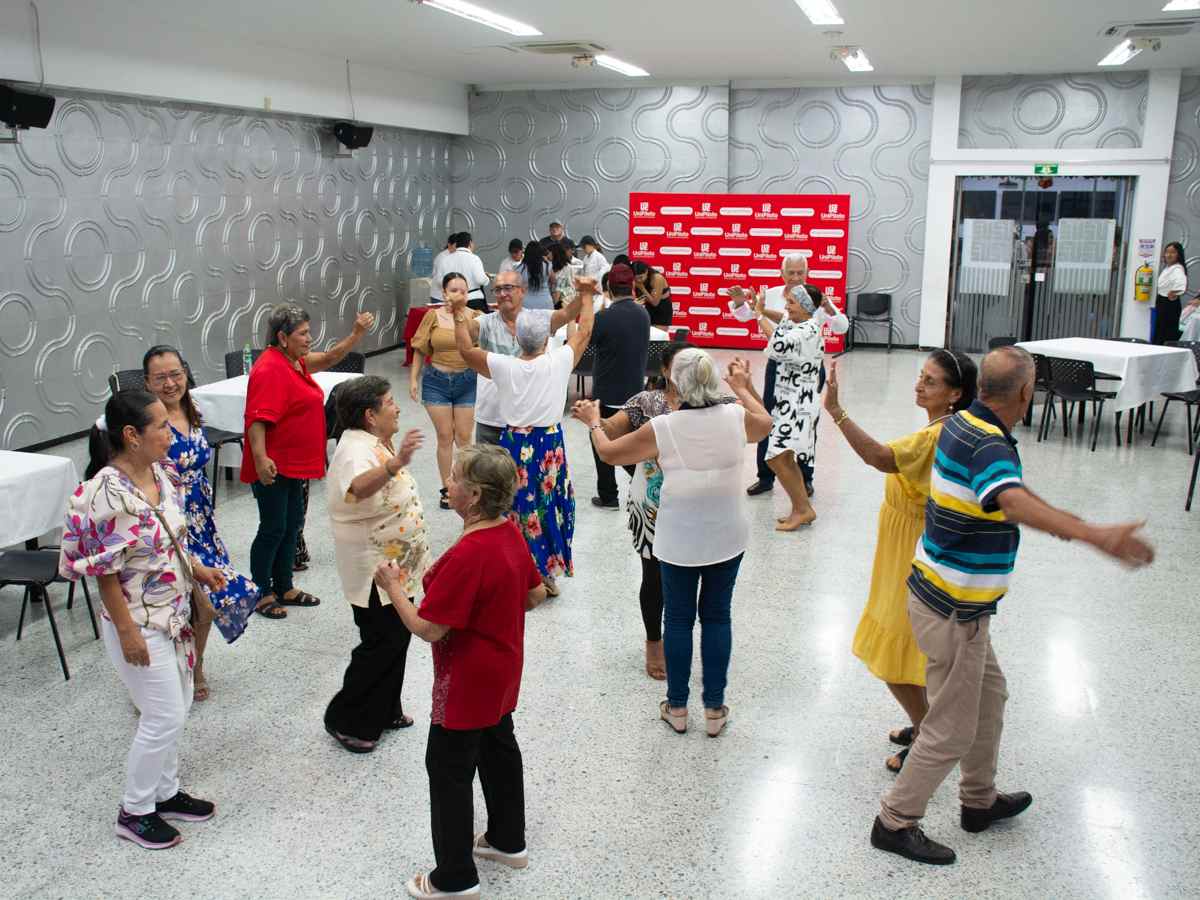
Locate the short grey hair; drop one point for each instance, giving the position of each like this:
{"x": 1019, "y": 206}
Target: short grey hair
{"x": 794, "y": 259}
{"x": 1004, "y": 372}
{"x": 285, "y": 317}
{"x": 533, "y": 329}
{"x": 696, "y": 377}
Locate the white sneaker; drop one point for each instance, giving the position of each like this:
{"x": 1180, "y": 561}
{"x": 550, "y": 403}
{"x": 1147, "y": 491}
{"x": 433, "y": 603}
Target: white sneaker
{"x": 484, "y": 850}
{"x": 420, "y": 886}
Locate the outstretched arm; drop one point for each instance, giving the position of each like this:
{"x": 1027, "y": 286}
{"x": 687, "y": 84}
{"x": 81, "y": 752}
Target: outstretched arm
{"x": 878, "y": 456}
{"x": 1121, "y": 541}
{"x": 320, "y": 360}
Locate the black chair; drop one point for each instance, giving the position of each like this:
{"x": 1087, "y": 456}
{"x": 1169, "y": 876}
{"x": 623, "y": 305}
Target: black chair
{"x": 351, "y": 362}
{"x": 1041, "y": 382}
{"x": 1074, "y": 381}
{"x": 1187, "y": 504}
{"x": 233, "y": 362}
{"x": 654, "y": 358}
{"x": 873, "y": 308}
{"x": 681, "y": 334}
{"x": 1006, "y": 341}
{"x": 37, "y": 569}
{"x": 134, "y": 379}
{"x": 584, "y": 369}
{"x": 1188, "y": 398}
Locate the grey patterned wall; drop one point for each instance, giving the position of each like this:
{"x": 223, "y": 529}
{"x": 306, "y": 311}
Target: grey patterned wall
{"x": 1034, "y": 111}
{"x": 574, "y": 156}
{"x": 127, "y": 223}
{"x": 872, "y": 143}
{"x": 1183, "y": 193}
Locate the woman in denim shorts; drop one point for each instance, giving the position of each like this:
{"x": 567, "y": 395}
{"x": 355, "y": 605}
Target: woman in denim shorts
{"x": 441, "y": 379}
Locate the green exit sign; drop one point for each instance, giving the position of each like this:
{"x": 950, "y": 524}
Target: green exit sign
{"x": 1045, "y": 169}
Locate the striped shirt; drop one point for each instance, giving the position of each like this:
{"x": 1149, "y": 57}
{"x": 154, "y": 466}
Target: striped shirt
{"x": 965, "y": 558}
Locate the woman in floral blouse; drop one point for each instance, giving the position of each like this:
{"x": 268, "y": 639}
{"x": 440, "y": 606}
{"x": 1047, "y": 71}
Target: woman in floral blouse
{"x": 126, "y": 528}
{"x": 167, "y": 377}
{"x": 377, "y": 517}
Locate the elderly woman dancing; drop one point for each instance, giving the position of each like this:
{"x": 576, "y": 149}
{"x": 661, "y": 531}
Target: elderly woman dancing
{"x": 532, "y": 390}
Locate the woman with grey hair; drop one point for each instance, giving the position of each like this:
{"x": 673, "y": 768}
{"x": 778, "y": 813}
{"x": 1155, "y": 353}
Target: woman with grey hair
{"x": 702, "y": 527}
{"x": 285, "y": 446}
{"x": 532, "y": 390}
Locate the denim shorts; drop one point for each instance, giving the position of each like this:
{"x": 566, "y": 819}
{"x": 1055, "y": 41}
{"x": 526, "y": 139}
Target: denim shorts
{"x": 440, "y": 388}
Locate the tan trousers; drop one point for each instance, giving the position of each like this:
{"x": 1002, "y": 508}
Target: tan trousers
{"x": 966, "y": 692}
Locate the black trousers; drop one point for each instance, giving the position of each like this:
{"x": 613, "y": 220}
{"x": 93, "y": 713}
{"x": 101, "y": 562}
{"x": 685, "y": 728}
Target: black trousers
{"x": 1166, "y": 319}
{"x": 768, "y": 395}
{"x": 651, "y": 597}
{"x": 280, "y": 518}
{"x": 451, "y": 758}
{"x": 606, "y": 475}
{"x": 370, "y": 696}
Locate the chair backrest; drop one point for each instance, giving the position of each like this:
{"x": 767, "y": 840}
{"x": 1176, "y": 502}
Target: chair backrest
{"x": 1194, "y": 346}
{"x": 1006, "y": 341}
{"x": 680, "y": 335}
{"x": 587, "y": 362}
{"x": 1072, "y": 373}
{"x": 126, "y": 380}
{"x": 1041, "y": 368}
{"x": 351, "y": 362}
{"x": 233, "y": 362}
{"x": 873, "y": 305}
{"x": 654, "y": 357}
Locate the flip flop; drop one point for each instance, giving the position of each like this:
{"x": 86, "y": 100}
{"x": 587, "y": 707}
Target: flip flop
{"x": 301, "y": 598}
{"x": 353, "y": 744}
{"x": 272, "y": 610}
{"x": 902, "y": 755}
{"x": 401, "y": 721}
{"x": 903, "y": 737}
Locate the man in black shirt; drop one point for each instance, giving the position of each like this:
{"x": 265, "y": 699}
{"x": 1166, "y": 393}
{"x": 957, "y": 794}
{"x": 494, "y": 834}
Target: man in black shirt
{"x": 558, "y": 235}
{"x": 621, "y": 337}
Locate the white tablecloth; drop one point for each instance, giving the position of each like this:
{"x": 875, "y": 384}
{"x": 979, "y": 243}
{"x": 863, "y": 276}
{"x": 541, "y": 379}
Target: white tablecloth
{"x": 560, "y": 337}
{"x": 1145, "y": 370}
{"x": 223, "y": 403}
{"x": 34, "y": 490}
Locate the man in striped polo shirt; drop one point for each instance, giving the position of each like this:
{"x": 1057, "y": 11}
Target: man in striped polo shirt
{"x": 962, "y": 568}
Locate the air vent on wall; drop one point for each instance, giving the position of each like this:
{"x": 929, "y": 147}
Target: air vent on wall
{"x": 559, "y": 48}
{"x": 1163, "y": 29}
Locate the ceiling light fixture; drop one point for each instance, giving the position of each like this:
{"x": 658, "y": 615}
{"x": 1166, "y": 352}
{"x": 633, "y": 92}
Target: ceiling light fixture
{"x": 1181, "y": 5}
{"x": 617, "y": 65}
{"x": 854, "y": 58}
{"x": 821, "y": 12}
{"x": 481, "y": 16}
{"x": 1121, "y": 54}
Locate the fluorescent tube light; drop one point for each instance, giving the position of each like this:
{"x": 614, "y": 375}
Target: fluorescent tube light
{"x": 1121, "y": 54}
{"x": 481, "y": 16}
{"x": 611, "y": 62}
{"x": 821, "y": 12}
{"x": 857, "y": 61}
{"x": 1181, "y": 5}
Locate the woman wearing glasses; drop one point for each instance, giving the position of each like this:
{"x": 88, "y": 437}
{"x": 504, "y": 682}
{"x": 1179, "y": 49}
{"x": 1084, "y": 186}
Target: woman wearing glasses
{"x": 167, "y": 378}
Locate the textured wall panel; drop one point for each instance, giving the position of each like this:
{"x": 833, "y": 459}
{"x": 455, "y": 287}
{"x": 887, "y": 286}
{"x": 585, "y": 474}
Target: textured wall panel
{"x": 574, "y": 156}
{"x": 1033, "y": 111}
{"x": 127, "y": 223}
{"x": 871, "y": 143}
{"x": 1183, "y": 194}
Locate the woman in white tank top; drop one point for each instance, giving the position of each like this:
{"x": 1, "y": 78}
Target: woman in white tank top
{"x": 702, "y": 525}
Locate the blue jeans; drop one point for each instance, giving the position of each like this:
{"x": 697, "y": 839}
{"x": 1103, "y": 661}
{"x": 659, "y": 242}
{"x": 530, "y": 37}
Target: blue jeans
{"x": 440, "y": 388}
{"x": 680, "y": 586}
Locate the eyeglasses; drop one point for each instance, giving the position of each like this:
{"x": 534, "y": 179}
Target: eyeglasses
{"x": 166, "y": 377}
{"x": 506, "y": 288}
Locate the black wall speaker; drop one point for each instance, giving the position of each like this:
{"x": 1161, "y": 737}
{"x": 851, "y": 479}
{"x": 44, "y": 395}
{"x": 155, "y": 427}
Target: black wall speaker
{"x": 21, "y": 110}
{"x": 352, "y": 136}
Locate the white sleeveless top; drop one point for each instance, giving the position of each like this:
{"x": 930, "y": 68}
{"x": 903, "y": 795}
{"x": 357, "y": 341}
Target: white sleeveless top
{"x": 702, "y": 517}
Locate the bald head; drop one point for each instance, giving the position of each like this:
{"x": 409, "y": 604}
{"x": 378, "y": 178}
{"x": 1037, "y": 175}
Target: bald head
{"x": 1004, "y": 373}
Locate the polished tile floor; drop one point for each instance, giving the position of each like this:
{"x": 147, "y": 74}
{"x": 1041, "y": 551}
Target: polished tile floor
{"x": 1103, "y": 667}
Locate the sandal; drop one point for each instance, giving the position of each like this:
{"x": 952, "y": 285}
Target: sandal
{"x": 899, "y": 757}
{"x": 716, "y": 724}
{"x": 677, "y": 721}
{"x": 903, "y": 737}
{"x": 353, "y": 744}
{"x": 401, "y": 721}
{"x": 551, "y": 586}
{"x": 300, "y": 598}
{"x": 200, "y": 689}
{"x": 420, "y": 886}
{"x": 272, "y": 610}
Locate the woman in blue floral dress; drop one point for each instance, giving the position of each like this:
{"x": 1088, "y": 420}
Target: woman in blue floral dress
{"x": 167, "y": 378}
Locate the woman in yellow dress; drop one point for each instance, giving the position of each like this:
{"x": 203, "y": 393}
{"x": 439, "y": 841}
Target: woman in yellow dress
{"x": 884, "y": 639}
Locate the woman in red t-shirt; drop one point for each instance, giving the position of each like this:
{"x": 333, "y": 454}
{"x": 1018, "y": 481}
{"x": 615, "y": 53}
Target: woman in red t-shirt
{"x": 476, "y": 596}
{"x": 285, "y": 446}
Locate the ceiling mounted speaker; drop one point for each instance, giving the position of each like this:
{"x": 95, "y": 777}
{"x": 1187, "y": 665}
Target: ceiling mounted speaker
{"x": 352, "y": 136}
{"x": 21, "y": 110}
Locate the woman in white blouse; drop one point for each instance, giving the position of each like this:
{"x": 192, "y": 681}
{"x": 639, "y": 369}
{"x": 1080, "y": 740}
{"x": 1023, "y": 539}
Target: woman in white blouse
{"x": 377, "y": 517}
{"x": 1172, "y": 284}
{"x": 702, "y": 527}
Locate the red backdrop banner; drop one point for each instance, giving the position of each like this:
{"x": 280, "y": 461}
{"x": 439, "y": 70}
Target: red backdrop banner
{"x": 707, "y": 243}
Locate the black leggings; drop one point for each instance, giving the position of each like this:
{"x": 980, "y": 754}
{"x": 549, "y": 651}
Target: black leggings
{"x": 651, "y": 596}
{"x": 1166, "y": 319}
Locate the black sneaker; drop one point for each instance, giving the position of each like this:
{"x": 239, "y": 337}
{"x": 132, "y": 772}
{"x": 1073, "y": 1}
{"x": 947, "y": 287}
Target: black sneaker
{"x": 148, "y": 831}
{"x": 1005, "y": 807}
{"x": 606, "y": 504}
{"x": 760, "y": 487}
{"x": 185, "y": 808}
{"x": 911, "y": 843}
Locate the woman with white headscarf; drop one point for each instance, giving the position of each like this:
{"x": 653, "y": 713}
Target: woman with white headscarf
{"x": 532, "y": 389}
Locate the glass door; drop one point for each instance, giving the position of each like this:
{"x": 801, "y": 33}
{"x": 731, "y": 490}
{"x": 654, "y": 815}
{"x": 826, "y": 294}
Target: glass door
{"x": 1037, "y": 258}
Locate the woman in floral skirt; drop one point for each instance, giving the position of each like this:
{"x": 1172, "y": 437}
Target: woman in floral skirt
{"x": 532, "y": 389}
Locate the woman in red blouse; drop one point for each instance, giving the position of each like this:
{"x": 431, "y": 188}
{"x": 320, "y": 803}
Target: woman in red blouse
{"x": 285, "y": 440}
{"x": 476, "y": 596}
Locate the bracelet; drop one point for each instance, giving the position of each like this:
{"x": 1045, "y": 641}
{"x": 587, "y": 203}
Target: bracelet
{"x": 842, "y": 418}
{"x": 595, "y": 428}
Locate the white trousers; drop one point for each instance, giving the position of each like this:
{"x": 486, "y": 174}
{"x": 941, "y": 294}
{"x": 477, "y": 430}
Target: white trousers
{"x": 163, "y": 698}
